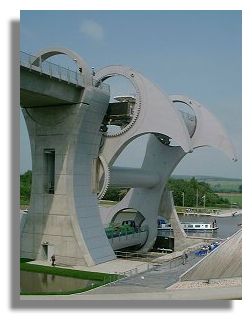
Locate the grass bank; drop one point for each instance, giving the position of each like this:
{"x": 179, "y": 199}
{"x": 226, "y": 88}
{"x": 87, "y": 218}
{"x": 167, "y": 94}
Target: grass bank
{"x": 103, "y": 278}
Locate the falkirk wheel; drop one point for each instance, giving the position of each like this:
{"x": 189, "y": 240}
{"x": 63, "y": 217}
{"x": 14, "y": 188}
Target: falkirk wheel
{"x": 73, "y": 156}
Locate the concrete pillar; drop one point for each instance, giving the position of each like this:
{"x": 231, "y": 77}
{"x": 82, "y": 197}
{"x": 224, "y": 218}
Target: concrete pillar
{"x": 64, "y": 214}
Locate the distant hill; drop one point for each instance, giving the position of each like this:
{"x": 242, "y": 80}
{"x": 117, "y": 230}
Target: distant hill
{"x": 218, "y": 184}
{"x": 200, "y": 178}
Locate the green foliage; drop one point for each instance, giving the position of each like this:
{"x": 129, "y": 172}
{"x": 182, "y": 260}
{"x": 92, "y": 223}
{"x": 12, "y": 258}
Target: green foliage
{"x": 190, "y": 189}
{"x": 112, "y": 194}
{"x": 64, "y": 272}
{"x": 217, "y": 184}
{"x": 224, "y": 185}
{"x": 114, "y": 230}
{"x": 235, "y": 199}
{"x": 25, "y": 187}
{"x": 178, "y": 186}
{"x": 115, "y": 194}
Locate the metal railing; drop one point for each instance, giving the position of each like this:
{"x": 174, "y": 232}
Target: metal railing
{"x": 118, "y": 278}
{"x": 129, "y": 255}
{"x": 57, "y": 71}
{"x": 52, "y": 69}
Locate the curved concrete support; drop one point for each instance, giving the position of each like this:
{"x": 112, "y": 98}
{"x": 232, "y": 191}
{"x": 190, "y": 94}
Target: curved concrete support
{"x": 168, "y": 211}
{"x": 209, "y": 131}
{"x": 64, "y": 214}
{"x": 147, "y": 201}
{"x": 107, "y": 213}
{"x": 161, "y": 159}
{"x": 154, "y": 113}
{"x": 67, "y": 139}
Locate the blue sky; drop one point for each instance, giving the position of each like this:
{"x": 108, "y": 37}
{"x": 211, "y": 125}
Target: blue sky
{"x": 195, "y": 53}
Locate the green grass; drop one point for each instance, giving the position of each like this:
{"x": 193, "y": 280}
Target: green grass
{"x": 107, "y": 203}
{"x": 224, "y": 185}
{"x": 232, "y": 197}
{"x": 104, "y": 278}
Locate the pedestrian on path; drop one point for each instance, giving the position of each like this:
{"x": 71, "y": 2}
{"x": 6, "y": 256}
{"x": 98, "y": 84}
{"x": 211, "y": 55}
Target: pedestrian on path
{"x": 53, "y": 259}
{"x": 184, "y": 256}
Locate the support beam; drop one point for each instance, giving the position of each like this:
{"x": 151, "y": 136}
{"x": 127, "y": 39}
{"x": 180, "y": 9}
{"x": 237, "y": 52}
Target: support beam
{"x": 133, "y": 178}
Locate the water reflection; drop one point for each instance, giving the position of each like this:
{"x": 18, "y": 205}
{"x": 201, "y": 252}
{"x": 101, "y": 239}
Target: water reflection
{"x": 34, "y": 282}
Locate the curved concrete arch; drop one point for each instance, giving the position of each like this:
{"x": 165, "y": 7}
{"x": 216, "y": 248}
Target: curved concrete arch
{"x": 123, "y": 210}
{"x": 112, "y": 152}
{"x": 164, "y": 159}
{"x": 45, "y": 54}
{"x": 159, "y": 158}
{"x": 209, "y": 131}
{"x": 107, "y": 213}
{"x": 156, "y": 113}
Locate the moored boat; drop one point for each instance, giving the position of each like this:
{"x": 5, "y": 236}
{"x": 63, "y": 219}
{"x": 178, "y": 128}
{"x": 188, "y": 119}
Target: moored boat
{"x": 189, "y": 226}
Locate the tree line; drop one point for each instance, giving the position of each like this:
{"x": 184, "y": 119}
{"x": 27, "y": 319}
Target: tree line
{"x": 189, "y": 193}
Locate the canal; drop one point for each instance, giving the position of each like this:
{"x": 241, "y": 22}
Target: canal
{"x": 227, "y": 226}
{"x": 42, "y": 283}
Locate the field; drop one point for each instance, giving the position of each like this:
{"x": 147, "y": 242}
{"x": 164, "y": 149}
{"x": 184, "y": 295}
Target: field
{"x": 217, "y": 184}
{"x": 232, "y": 197}
{"x": 225, "y": 185}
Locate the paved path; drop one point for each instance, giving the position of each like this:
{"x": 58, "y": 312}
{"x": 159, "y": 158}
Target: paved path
{"x": 226, "y": 293}
{"x": 228, "y": 213}
{"x": 155, "y": 280}
{"x": 152, "y": 285}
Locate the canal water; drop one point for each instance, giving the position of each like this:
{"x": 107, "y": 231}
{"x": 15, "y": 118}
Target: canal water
{"x": 227, "y": 226}
{"x": 34, "y": 282}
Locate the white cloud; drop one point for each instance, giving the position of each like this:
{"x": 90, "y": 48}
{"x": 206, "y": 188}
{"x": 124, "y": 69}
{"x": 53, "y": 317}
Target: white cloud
{"x": 92, "y": 30}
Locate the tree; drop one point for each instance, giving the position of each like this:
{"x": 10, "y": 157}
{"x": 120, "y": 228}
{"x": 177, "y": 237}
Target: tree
{"x": 190, "y": 189}
{"x": 25, "y": 187}
{"x": 115, "y": 194}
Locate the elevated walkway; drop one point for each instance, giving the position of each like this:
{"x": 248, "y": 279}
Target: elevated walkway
{"x": 49, "y": 84}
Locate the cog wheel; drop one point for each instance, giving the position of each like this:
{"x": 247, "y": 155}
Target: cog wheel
{"x": 132, "y": 121}
{"x": 137, "y": 106}
{"x": 104, "y": 177}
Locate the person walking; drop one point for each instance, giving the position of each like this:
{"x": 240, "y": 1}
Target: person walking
{"x": 184, "y": 257}
{"x": 53, "y": 259}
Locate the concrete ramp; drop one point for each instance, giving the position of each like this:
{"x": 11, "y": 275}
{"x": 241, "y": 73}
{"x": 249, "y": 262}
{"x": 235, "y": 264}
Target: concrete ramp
{"x": 224, "y": 262}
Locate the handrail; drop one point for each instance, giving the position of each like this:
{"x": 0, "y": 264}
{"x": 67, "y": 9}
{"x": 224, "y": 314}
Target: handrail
{"x": 56, "y": 71}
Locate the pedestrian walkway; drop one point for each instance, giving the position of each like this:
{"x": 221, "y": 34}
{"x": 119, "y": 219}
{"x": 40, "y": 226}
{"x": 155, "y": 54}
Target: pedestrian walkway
{"x": 155, "y": 280}
{"x": 160, "y": 283}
